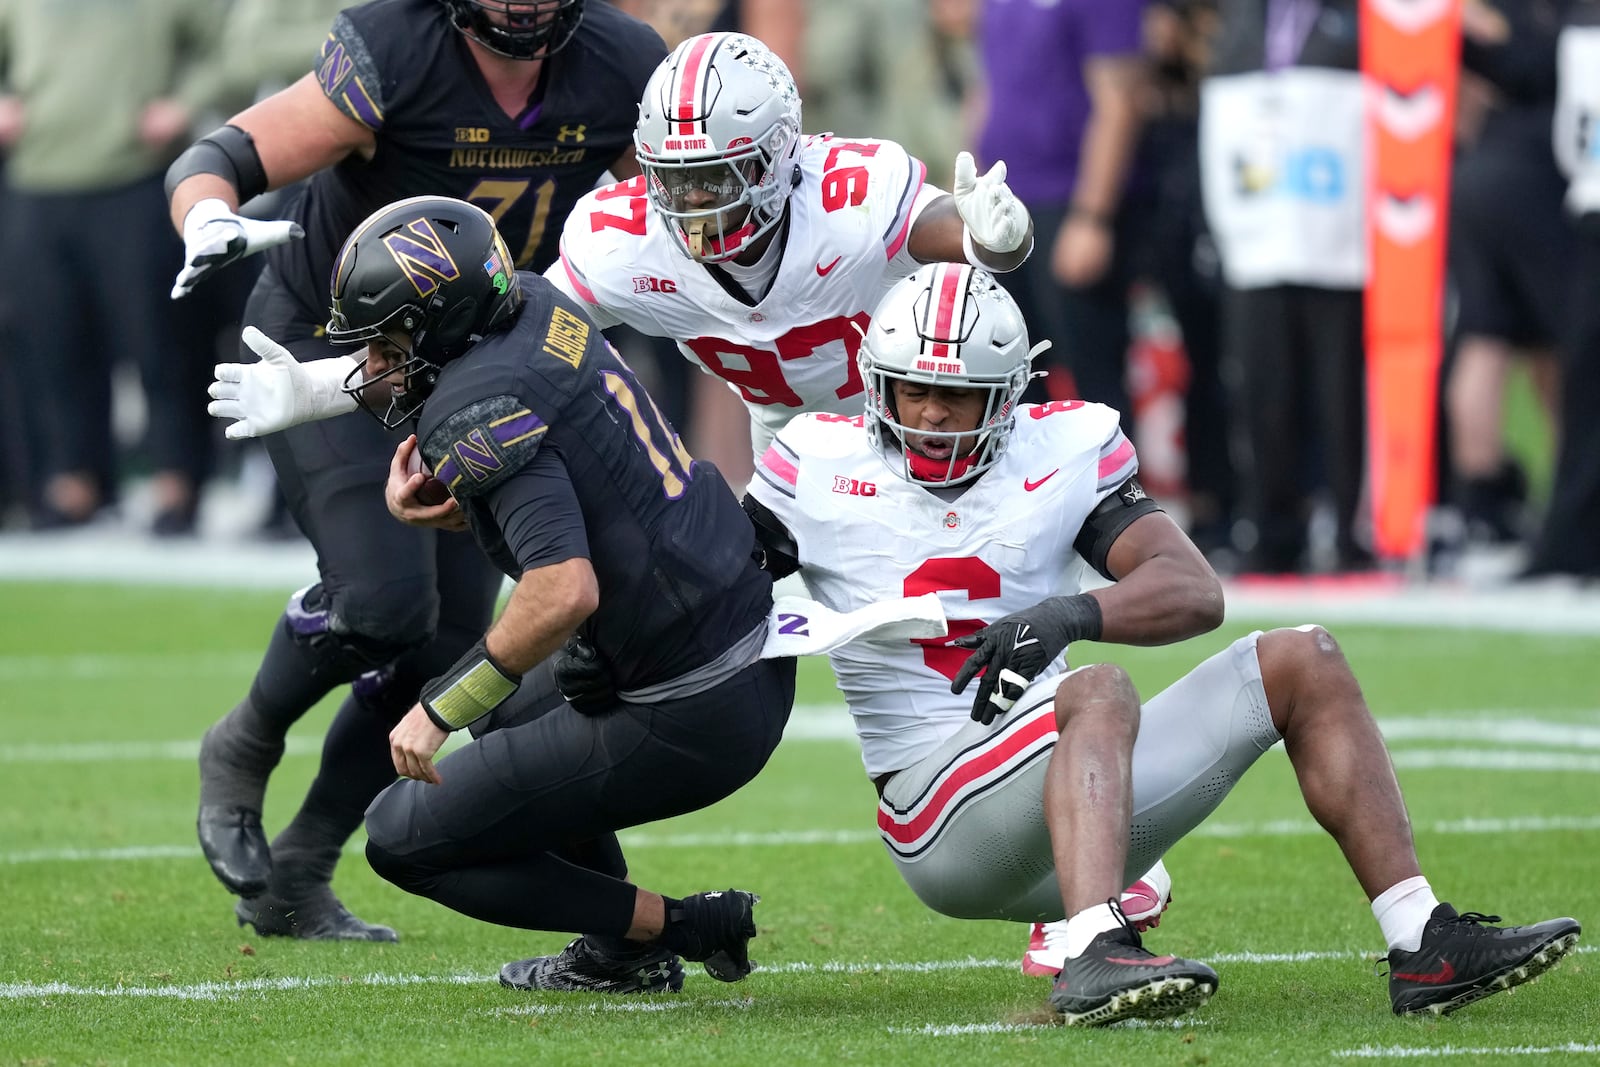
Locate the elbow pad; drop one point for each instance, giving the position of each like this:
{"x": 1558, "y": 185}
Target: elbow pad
{"x": 229, "y": 153}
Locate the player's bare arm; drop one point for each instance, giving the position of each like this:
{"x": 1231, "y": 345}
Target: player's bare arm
{"x": 297, "y": 132}
{"x": 937, "y": 236}
{"x": 1165, "y": 590}
{"x": 546, "y": 605}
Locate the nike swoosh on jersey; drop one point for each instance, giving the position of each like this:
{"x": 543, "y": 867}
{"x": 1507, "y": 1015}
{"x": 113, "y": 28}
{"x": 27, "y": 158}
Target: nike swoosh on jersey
{"x": 1029, "y": 486}
{"x": 822, "y": 272}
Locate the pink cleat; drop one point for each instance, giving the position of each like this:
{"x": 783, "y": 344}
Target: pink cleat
{"x": 1143, "y": 902}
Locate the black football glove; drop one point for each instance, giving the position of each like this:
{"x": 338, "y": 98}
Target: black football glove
{"x": 1014, "y": 650}
{"x": 583, "y": 678}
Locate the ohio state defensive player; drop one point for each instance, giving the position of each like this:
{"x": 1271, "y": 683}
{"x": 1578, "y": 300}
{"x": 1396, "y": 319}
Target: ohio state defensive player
{"x": 947, "y": 485}
{"x": 763, "y": 251}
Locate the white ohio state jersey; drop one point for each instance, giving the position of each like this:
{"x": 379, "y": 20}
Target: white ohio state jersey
{"x": 795, "y": 349}
{"x": 865, "y": 534}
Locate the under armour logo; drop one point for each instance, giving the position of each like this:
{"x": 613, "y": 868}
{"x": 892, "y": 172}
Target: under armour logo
{"x": 574, "y": 132}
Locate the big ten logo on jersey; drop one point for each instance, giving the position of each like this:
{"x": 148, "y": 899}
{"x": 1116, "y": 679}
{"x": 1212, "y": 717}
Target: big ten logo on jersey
{"x": 472, "y": 135}
{"x": 566, "y": 337}
{"x": 853, "y": 486}
{"x": 645, "y": 284}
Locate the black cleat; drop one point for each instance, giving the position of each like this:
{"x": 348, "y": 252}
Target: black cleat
{"x": 1462, "y": 959}
{"x": 319, "y": 917}
{"x": 719, "y": 926}
{"x": 236, "y": 847}
{"x": 1116, "y": 979}
{"x": 588, "y": 966}
{"x": 230, "y": 829}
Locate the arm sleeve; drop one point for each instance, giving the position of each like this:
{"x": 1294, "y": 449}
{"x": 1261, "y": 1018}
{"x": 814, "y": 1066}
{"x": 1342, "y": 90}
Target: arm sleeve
{"x": 538, "y": 515}
{"x": 350, "y": 75}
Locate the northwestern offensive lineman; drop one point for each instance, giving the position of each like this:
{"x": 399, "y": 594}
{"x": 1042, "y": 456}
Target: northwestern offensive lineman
{"x": 1043, "y": 794}
{"x": 517, "y": 107}
{"x": 577, "y": 488}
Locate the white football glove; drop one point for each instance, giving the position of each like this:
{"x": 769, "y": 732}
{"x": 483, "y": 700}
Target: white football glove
{"x": 213, "y": 237}
{"x": 280, "y": 391}
{"x": 994, "y": 216}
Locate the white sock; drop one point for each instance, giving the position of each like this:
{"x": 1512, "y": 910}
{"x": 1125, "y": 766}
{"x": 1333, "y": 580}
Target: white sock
{"x": 1084, "y": 926}
{"x": 1403, "y": 910}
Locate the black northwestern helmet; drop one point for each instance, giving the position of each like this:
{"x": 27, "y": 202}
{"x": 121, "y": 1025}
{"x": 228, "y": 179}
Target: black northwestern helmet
{"x": 518, "y": 29}
{"x": 431, "y": 276}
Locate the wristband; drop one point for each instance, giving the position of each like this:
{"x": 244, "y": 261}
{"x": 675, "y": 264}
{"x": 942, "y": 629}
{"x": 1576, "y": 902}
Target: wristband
{"x": 970, "y": 250}
{"x": 1078, "y": 617}
{"x": 469, "y": 690}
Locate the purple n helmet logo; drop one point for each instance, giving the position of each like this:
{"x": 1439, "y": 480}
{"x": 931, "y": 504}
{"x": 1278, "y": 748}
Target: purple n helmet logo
{"x": 422, "y": 256}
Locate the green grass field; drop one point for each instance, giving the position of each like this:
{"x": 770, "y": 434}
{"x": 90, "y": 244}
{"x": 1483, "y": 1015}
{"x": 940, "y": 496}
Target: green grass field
{"x": 118, "y": 947}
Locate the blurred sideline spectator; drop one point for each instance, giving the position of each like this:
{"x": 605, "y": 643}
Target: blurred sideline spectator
{"x": 1282, "y": 134}
{"x": 1569, "y": 543}
{"x": 98, "y": 97}
{"x": 1510, "y": 248}
{"x": 902, "y": 67}
{"x": 1065, "y": 86}
{"x": 1182, "y": 260}
{"x": 267, "y": 44}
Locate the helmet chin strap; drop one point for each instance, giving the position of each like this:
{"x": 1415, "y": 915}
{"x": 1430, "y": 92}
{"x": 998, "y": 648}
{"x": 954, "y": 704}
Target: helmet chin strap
{"x": 925, "y": 469}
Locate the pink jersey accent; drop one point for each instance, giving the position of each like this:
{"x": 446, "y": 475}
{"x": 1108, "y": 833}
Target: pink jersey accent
{"x": 905, "y": 227}
{"x": 1119, "y": 457}
{"x": 779, "y": 464}
{"x": 572, "y": 276}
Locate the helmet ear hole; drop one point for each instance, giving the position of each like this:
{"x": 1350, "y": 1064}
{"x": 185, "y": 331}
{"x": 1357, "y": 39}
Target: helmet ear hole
{"x": 456, "y": 324}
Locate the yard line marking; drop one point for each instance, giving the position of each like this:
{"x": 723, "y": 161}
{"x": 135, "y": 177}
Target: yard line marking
{"x": 831, "y": 722}
{"x": 788, "y": 838}
{"x": 82, "y": 666}
{"x": 1511, "y": 730}
{"x": 1378, "y": 1052}
{"x": 960, "y": 1029}
{"x": 742, "y": 1004}
{"x": 1484, "y": 760}
{"x": 218, "y": 990}
{"x": 130, "y": 751}
{"x": 222, "y": 990}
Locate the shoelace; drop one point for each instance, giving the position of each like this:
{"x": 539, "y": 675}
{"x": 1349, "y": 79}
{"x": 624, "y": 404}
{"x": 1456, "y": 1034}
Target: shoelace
{"x": 1476, "y": 922}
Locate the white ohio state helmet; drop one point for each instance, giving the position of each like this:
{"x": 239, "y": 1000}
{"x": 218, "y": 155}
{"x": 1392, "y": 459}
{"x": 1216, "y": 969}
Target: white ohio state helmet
{"x": 950, "y": 325}
{"x": 720, "y": 116}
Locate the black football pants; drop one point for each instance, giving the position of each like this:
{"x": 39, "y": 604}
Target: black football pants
{"x": 520, "y": 830}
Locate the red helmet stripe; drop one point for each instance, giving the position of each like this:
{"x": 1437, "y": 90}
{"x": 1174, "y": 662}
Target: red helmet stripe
{"x": 691, "y": 72}
{"x": 949, "y": 287}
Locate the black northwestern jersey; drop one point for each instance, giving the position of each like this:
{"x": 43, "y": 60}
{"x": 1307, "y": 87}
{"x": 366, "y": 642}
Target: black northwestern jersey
{"x": 400, "y": 68}
{"x": 555, "y": 451}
